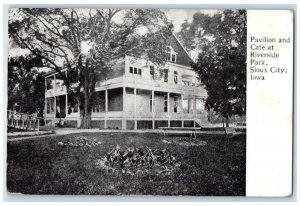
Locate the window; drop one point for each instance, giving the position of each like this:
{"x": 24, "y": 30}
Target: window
{"x": 50, "y": 82}
{"x": 173, "y": 58}
{"x": 50, "y": 105}
{"x": 175, "y": 104}
{"x": 175, "y": 77}
{"x": 150, "y": 102}
{"x": 166, "y": 71}
{"x": 166, "y": 104}
{"x": 171, "y": 55}
{"x": 152, "y": 72}
{"x": 134, "y": 70}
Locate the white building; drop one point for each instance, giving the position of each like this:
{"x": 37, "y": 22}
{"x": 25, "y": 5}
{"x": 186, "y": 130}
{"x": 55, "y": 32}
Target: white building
{"x": 133, "y": 97}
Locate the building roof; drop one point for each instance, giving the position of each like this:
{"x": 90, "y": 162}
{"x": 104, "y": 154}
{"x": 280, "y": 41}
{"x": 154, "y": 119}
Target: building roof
{"x": 183, "y": 57}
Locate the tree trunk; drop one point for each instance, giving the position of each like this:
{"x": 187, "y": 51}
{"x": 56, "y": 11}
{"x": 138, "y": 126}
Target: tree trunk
{"x": 86, "y": 104}
{"x": 86, "y": 113}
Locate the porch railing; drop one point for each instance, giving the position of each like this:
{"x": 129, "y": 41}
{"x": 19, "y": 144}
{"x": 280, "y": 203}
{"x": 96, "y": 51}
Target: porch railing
{"x": 22, "y": 121}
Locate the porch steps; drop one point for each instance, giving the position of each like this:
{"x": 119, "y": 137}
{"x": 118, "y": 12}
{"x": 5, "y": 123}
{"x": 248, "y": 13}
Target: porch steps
{"x": 203, "y": 122}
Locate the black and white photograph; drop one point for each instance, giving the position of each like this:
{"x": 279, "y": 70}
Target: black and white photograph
{"x": 126, "y": 101}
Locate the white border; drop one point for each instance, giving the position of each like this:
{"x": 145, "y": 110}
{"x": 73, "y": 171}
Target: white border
{"x": 269, "y": 107}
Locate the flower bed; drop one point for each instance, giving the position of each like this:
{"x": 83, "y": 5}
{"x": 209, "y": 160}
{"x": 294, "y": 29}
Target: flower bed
{"x": 134, "y": 160}
{"x": 80, "y": 142}
{"x": 186, "y": 141}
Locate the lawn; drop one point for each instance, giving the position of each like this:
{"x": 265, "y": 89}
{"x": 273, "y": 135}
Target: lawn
{"x": 64, "y": 165}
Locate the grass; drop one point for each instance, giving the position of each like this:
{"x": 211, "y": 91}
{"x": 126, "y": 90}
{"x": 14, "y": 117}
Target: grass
{"x": 42, "y": 166}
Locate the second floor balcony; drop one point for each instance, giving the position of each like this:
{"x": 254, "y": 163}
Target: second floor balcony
{"x": 158, "y": 85}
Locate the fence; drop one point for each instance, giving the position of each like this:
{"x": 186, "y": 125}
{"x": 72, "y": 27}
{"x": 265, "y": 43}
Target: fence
{"x": 28, "y": 122}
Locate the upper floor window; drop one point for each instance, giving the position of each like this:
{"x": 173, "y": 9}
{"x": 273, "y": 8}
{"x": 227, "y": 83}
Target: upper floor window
{"x": 134, "y": 70}
{"x": 166, "y": 76}
{"x": 152, "y": 72}
{"x": 172, "y": 55}
{"x": 175, "y": 77}
{"x": 50, "y": 82}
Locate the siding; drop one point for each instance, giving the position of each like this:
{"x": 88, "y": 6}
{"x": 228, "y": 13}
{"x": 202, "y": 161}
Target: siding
{"x": 182, "y": 57}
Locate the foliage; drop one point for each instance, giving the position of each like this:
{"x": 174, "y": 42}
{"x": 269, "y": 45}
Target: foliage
{"x": 221, "y": 64}
{"x": 25, "y": 84}
{"x": 88, "y": 42}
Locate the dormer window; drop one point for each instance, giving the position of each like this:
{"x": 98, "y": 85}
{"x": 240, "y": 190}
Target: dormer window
{"x": 172, "y": 55}
{"x": 173, "y": 58}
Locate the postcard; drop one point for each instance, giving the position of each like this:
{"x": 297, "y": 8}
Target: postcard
{"x": 148, "y": 101}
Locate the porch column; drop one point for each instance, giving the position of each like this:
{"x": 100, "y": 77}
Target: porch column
{"x": 152, "y": 105}
{"x": 54, "y": 107}
{"x": 45, "y": 107}
{"x": 182, "y": 122}
{"x": 194, "y": 110}
{"x": 168, "y": 100}
{"x": 135, "y": 117}
{"x": 45, "y": 110}
{"x": 124, "y": 108}
{"x": 66, "y": 104}
{"x": 106, "y": 108}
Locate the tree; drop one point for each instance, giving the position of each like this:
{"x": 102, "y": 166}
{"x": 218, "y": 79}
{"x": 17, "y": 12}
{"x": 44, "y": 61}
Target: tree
{"x": 221, "y": 64}
{"x": 25, "y": 84}
{"x": 88, "y": 41}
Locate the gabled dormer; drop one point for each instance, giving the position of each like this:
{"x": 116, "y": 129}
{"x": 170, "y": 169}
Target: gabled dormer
{"x": 177, "y": 53}
{"x": 172, "y": 55}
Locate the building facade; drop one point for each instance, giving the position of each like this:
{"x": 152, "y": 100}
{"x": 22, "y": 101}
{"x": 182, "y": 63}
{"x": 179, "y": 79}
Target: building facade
{"x": 136, "y": 96}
